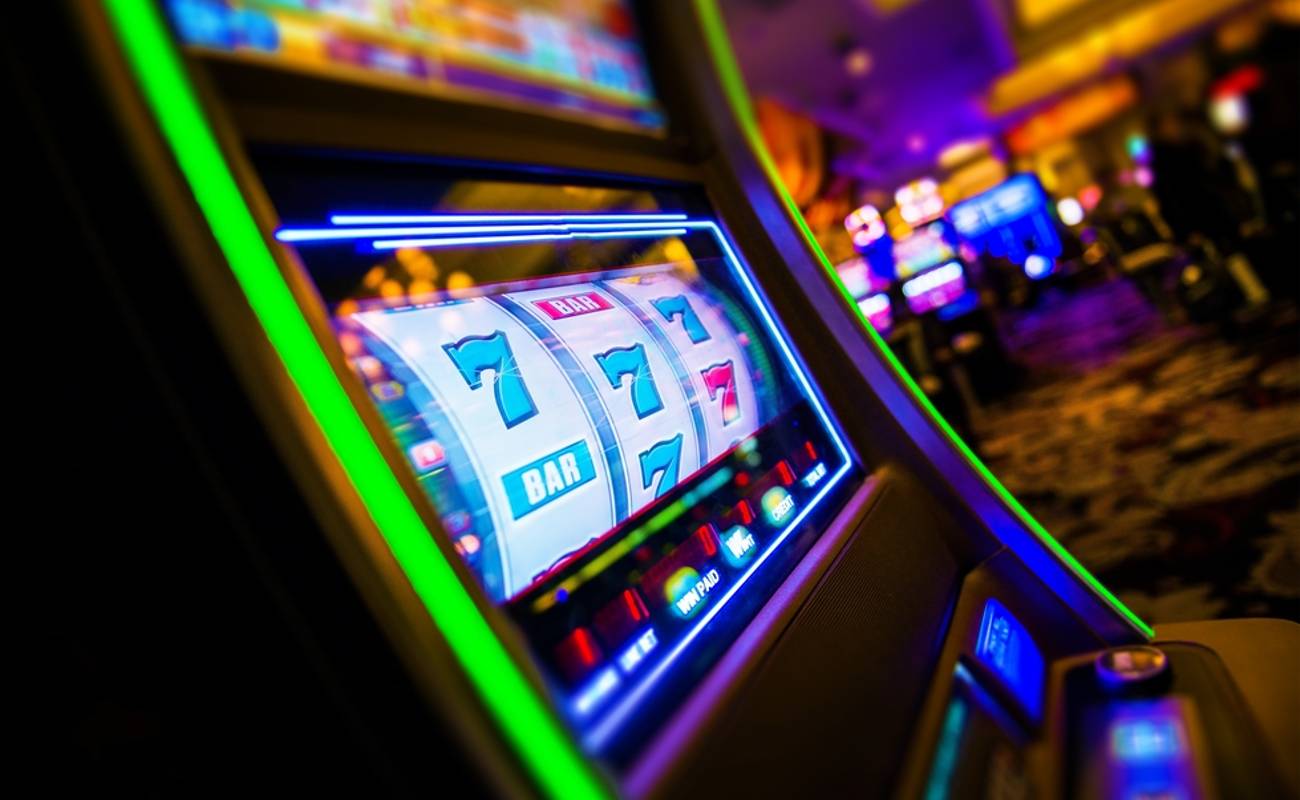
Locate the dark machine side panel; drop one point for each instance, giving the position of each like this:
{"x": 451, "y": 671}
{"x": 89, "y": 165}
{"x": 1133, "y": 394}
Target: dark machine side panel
{"x": 830, "y": 709}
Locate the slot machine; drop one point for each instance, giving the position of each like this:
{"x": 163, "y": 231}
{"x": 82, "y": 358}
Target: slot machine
{"x": 501, "y": 428}
{"x": 1012, "y": 221}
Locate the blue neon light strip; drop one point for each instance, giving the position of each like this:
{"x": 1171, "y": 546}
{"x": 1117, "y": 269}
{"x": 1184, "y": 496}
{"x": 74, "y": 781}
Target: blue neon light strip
{"x": 612, "y": 720}
{"x": 458, "y": 241}
{"x": 422, "y": 219}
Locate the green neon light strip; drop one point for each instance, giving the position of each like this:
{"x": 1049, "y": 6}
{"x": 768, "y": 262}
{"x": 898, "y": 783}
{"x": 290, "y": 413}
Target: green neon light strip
{"x": 542, "y": 744}
{"x": 733, "y": 83}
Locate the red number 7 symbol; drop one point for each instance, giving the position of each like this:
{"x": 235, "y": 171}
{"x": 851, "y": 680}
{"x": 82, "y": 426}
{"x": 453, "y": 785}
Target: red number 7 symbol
{"x": 721, "y": 378}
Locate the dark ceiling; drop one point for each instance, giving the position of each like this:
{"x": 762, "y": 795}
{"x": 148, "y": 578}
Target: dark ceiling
{"x": 930, "y": 62}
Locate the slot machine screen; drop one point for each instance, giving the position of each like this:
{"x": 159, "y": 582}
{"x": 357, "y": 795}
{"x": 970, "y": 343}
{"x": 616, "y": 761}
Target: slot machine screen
{"x": 575, "y": 58}
{"x": 618, "y": 438}
{"x": 929, "y": 246}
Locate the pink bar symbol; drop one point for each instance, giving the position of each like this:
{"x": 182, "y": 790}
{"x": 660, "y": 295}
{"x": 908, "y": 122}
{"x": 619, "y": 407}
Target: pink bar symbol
{"x": 573, "y": 305}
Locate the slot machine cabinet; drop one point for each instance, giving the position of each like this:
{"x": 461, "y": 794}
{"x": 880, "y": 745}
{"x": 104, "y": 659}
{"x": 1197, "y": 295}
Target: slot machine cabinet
{"x": 638, "y": 506}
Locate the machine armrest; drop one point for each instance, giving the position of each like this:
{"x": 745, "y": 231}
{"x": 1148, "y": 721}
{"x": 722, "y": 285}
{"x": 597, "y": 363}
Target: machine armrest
{"x": 1263, "y": 656}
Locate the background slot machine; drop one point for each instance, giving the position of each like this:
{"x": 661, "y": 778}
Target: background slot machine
{"x": 481, "y": 416}
{"x": 1012, "y": 221}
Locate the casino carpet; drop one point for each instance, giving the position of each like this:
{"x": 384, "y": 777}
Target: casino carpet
{"x": 1165, "y": 457}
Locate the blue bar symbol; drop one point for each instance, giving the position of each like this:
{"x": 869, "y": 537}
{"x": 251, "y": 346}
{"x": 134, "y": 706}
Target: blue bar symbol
{"x": 537, "y": 483}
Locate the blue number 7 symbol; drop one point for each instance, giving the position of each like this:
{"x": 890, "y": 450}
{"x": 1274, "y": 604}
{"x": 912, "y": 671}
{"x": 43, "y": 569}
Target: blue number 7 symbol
{"x": 474, "y": 354}
{"x": 679, "y": 306}
{"x": 664, "y": 457}
{"x": 632, "y": 361}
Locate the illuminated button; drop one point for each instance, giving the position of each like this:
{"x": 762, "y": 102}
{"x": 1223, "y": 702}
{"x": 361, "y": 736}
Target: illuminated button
{"x": 621, "y": 617}
{"x": 744, "y": 511}
{"x": 693, "y": 554}
{"x": 591, "y": 696}
{"x": 577, "y": 653}
{"x": 777, "y": 505}
{"x": 815, "y": 475}
{"x": 632, "y": 657}
{"x": 708, "y": 544}
{"x": 738, "y": 545}
{"x": 687, "y": 590}
{"x": 1125, "y": 666}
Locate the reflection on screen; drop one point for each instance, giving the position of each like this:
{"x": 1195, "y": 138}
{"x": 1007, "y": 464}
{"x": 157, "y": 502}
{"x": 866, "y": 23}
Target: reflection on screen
{"x": 576, "y": 57}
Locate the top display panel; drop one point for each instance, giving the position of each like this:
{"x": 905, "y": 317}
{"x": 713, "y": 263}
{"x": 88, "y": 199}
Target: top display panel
{"x": 577, "y": 58}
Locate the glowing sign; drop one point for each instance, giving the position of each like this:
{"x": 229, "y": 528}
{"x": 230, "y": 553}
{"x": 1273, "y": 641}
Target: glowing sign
{"x": 865, "y": 225}
{"x": 926, "y": 247}
{"x": 1011, "y": 220}
{"x": 878, "y": 310}
{"x": 932, "y": 279}
{"x": 874, "y": 304}
{"x": 936, "y": 288}
{"x": 859, "y": 279}
{"x": 1011, "y": 200}
{"x": 919, "y": 201}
